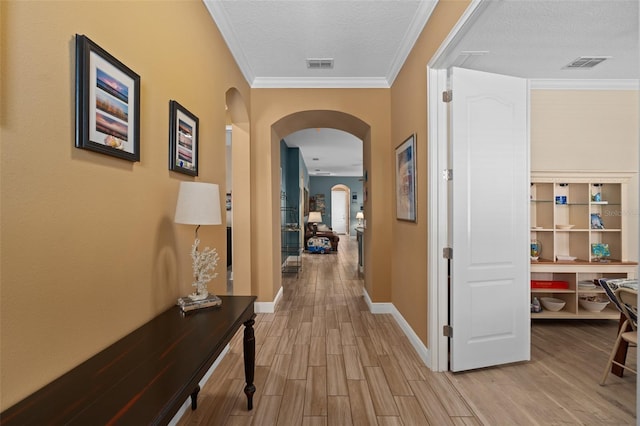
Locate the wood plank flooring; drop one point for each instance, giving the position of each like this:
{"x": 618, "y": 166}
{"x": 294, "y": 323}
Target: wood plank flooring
{"x": 323, "y": 359}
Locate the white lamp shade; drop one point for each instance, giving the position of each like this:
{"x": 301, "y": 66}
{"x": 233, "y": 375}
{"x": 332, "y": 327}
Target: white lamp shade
{"x": 198, "y": 204}
{"x": 359, "y": 215}
{"x": 315, "y": 217}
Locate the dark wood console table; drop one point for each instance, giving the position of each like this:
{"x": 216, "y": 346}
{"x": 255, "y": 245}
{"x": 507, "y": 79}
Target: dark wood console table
{"x": 145, "y": 377}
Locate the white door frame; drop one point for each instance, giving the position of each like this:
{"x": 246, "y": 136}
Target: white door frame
{"x": 437, "y": 195}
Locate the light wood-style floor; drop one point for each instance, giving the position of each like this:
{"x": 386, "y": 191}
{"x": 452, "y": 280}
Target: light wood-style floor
{"x": 324, "y": 359}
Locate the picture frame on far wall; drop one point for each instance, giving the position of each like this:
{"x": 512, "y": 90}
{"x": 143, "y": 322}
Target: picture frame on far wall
{"x": 183, "y": 140}
{"x": 107, "y": 103}
{"x": 405, "y": 166}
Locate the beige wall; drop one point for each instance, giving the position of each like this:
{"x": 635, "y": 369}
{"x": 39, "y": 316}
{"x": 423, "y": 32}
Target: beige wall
{"x": 409, "y": 115}
{"x": 89, "y": 247}
{"x": 589, "y": 130}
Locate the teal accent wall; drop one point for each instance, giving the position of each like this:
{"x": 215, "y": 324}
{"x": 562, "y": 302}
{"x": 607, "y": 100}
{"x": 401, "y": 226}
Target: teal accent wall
{"x": 323, "y": 185}
{"x": 292, "y": 167}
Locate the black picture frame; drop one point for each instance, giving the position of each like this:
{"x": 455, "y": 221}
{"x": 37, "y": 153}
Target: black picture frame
{"x": 184, "y": 139}
{"x": 107, "y": 103}
{"x": 405, "y": 177}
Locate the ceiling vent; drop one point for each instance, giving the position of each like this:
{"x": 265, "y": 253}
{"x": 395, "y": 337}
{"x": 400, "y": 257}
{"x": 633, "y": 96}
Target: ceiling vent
{"x": 320, "y": 63}
{"x": 584, "y": 62}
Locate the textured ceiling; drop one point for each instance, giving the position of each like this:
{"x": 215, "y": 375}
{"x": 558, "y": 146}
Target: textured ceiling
{"x": 369, "y": 41}
{"x": 537, "y": 39}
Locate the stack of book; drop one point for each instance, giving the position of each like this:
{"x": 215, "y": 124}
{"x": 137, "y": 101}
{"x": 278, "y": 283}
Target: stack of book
{"x": 188, "y": 304}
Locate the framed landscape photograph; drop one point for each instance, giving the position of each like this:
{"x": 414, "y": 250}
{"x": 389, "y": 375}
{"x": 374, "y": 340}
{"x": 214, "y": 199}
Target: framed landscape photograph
{"x": 406, "y": 180}
{"x": 107, "y": 103}
{"x": 183, "y": 140}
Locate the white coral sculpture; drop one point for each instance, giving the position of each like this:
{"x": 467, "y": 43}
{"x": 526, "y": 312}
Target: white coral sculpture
{"x": 204, "y": 266}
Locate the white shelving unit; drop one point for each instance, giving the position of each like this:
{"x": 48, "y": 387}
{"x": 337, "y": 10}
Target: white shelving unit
{"x": 579, "y": 216}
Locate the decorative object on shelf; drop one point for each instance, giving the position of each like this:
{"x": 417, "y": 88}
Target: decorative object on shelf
{"x": 535, "y": 306}
{"x": 406, "y": 180}
{"x": 564, "y": 227}
{"x": 565, "y": 258}
{"x": 107, "y": 103}
{"x": 593, "y": 303}
{"x": 315, "y": 218}
{"x": 600, "y": 250}
{"x": 561, "y": 199}
{"x": 183, "y": 140}
{"x": 360, "y": 217}
{"x": 552, "y": 304}
{"x": 596, "y": 221}
{"x": 549, "y": 284}
{"x": 596, "y": 197}
{"x": 536, "y": 249}
{"x": 199, "y": 204}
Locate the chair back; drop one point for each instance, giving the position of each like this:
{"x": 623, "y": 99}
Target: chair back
{"x": 610, "y": 286}
{"x": 629, "y": 301}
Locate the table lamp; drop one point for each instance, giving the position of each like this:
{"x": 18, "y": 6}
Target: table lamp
{"x": 199, "y": 204}
{"x": 315, "y": 218}
{"x": 360, "y": 216}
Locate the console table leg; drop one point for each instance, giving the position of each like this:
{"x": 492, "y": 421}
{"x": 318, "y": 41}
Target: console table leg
{"x": 194, "y": 397}
{"x": 249, "y": 361}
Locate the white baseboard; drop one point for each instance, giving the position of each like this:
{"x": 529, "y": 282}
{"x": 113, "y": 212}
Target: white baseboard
{"x": 388, "y": 308}
{"x": 187, "y": 404}
{"x": 267, "y": 307}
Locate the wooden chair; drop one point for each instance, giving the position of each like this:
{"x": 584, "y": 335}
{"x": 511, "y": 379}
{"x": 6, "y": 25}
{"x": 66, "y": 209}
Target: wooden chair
{"x": 628, "y": 301}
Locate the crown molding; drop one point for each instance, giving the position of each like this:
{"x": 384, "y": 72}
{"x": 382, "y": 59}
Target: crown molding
{"x": 319, "y": 83}
{"x": 594, "y": 84}
{"x": 425, "y": 9}
{"x": 219, "y": 16}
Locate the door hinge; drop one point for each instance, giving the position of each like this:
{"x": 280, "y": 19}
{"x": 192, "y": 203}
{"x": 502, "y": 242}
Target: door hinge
{"x": 447, "y": 96}
{"x": 447, "y": 253}
{"x": 447, "y": 174}
{"x": 447, "y": 331}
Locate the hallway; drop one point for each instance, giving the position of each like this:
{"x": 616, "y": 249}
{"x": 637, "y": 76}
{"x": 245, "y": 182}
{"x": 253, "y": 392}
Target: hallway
{"x": 324, "y": 359}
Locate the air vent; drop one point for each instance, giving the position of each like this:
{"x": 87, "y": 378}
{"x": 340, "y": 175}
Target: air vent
{"x": 587, "y": 62}
{"x": 320, "y": 63}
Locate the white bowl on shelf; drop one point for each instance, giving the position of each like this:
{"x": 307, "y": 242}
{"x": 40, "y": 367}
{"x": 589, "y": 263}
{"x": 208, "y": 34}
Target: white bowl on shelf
{"x": 595, "y": 305}
{"x": 552, "y": 304}
{"x": 569, "y": 226}
{"x": 565, "y": 257}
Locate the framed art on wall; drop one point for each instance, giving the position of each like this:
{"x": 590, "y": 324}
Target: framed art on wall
{"x": 406, "y": 180}
{"x": 183, "y": 140}
{"x": 107, "y": 103}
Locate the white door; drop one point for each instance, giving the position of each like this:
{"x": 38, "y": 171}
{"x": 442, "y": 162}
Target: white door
{"x": 339, "y": 211}
{"x": 489, "y": 302}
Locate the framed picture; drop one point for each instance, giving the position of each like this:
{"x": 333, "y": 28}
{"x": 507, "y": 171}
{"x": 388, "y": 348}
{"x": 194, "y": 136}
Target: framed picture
{"x": 183, "y": 140}
{"x": 107, "y": 103}
{"x": 406, "y": 180}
